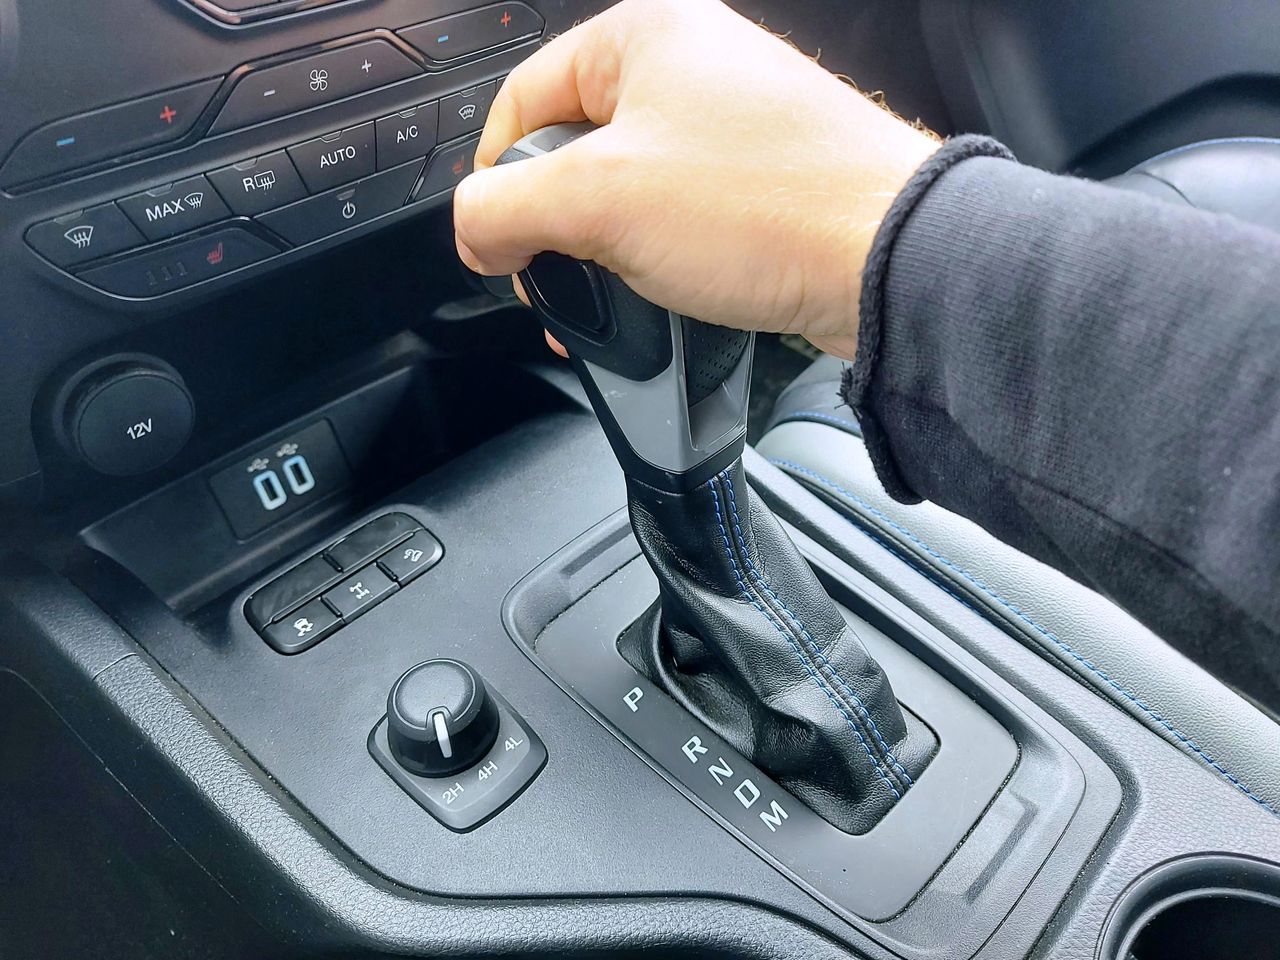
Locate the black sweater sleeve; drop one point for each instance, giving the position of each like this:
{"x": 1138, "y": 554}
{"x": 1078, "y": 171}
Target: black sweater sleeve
{"x": 1094, "y": 377}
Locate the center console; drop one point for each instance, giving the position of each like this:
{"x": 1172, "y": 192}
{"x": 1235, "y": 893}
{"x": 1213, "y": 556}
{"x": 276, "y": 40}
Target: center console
{"x": 330, "y": 584}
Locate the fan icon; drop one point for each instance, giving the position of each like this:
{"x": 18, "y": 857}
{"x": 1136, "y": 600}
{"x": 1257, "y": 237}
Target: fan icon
{"x": 319, "y": 80}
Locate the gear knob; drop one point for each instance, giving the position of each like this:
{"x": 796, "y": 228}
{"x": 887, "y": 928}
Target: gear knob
{"x": 670, "y": 391}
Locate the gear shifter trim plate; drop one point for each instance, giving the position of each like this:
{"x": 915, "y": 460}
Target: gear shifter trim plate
{"x": 960, "y": 848}
{"x": 906, "y": 847}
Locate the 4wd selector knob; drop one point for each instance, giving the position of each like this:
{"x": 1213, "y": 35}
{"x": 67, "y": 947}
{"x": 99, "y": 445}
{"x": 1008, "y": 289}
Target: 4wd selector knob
{"x": 440, "y": 718}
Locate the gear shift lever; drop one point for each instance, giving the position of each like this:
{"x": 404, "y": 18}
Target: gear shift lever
{"x": 670, "y": 391}
{"x": 743, "y": 635}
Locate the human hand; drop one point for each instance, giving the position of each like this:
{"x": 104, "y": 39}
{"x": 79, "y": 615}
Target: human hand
{"x": 732, "y": 180}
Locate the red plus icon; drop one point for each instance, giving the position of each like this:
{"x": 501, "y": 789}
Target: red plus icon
{"x": 168, "y": 113}
{"x": 506, "y": 18}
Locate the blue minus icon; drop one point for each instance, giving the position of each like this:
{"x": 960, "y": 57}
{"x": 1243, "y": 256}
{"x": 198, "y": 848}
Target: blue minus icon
{"x": 443, "y": 38}
{"x": 65, "y": 141}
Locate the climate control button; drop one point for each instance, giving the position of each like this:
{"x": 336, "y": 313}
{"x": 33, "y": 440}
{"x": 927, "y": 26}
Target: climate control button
{"x": 84, "y": 235}
{"x": 318, "y": 217}
{"x": 174, "y": 208}
{"x": 264, "y": 183}
{"x": 337, "y": 158}
{"x": 270, "y": 92}
{"x": 157, "y": 271}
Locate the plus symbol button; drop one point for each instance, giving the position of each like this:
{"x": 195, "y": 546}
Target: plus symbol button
{"x": 168, "y": 114}
{"x": 506, "y": 18}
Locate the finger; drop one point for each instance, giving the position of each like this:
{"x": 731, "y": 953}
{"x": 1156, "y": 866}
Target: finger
{"x": 572, "y": 78}
{"x": 519, "y": 289}
{"x": 505, "y": 215}
{"x": 556, "y": 345}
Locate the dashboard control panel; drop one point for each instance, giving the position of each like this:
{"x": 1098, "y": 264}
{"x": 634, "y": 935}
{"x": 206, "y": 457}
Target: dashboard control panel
{"x": 202, "y": 226}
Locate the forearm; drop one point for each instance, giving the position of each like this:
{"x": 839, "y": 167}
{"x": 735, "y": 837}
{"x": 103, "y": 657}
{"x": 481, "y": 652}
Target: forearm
{"x": 1095, "y": 378}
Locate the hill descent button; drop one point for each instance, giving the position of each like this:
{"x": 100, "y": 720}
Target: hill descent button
{"x": 338, "y": 158}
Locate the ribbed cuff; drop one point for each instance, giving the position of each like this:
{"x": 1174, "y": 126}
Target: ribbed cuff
{"x": 855, "y": 383}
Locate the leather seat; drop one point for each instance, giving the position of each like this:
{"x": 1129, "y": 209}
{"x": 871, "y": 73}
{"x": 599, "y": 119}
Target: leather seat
{"x": 819, "y": 443}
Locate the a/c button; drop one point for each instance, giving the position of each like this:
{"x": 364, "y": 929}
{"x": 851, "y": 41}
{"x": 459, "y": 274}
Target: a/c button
{"x": 407, "y": 135}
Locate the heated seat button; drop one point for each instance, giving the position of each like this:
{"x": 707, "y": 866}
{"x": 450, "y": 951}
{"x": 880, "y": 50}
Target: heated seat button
{"x": 407, "y": 135}
{"x": 151, "y": 273}
{"x": 270, "y": 92}
{"x": 263, "y": 183}
{"x": 337, "y": 158}
{"x": 84, "y": 235}
{"x": 416, "y": 555}
{"x": 174, "y": 208}
{"x": 360, "y": 591}
{"x": 303, "y": 628}
{"x": 466, "y": 112}
{"x": 107, "y": 133}
{"x": 345, "y": 207}
{"x": 447, "y": 168}
{"x": 451, "y": 37}
{"x": 361, "y": 546}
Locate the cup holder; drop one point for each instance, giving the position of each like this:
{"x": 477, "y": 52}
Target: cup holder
{"x": 1211, "y": 907}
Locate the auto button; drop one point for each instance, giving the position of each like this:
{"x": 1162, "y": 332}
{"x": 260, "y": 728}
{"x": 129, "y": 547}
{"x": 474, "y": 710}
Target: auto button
{"x": 337, "y": 158}
{"x": 176, "y": 208}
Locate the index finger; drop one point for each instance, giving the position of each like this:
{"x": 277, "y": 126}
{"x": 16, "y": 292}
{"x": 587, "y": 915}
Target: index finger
{"x": 572, "y": 78}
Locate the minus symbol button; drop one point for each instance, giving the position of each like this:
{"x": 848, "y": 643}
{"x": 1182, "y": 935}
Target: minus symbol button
{"x": 269, "y": 93}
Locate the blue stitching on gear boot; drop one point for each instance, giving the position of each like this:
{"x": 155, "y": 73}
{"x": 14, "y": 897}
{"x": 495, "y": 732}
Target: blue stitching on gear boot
{"x": 777, "y": 625}
{"x": 817, "y": 651}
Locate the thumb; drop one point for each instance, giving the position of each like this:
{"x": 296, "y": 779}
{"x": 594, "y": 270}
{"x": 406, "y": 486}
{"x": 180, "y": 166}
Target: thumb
{"x": 506, "y": 214}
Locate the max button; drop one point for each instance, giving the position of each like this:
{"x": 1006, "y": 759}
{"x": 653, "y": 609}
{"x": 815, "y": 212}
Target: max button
{"x": 176, "y": 208}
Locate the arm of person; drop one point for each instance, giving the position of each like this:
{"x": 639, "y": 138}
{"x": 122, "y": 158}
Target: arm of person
{"x": 1094, "y": 377}
{"x": 1090, "y": 375}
